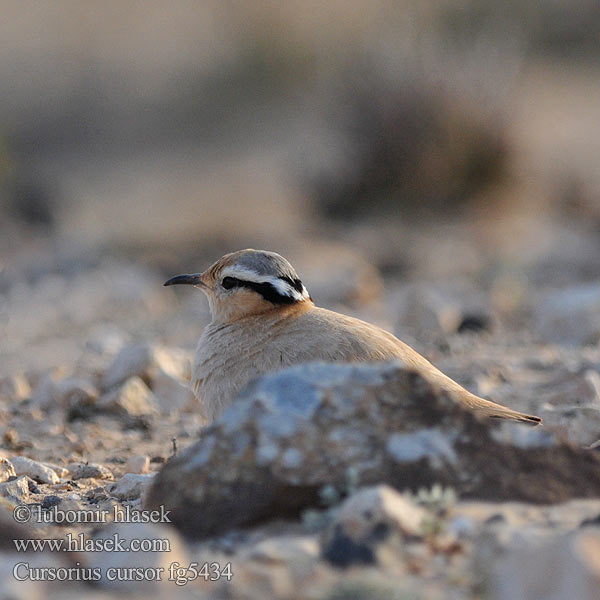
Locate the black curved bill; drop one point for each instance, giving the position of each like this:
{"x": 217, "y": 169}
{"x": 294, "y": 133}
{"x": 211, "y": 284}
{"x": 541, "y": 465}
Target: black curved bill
{"x": 194, "y": 279}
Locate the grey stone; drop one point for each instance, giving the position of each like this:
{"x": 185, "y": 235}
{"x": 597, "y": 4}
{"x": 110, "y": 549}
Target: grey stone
{"x": 58, "y": 469}
{"x": 172, "y": 394}
{"x": 291, "y": 433}
{"x": 133, "y": 399}
{"x": 131, "y": 486}
{"x": 85, "y": 470}
{"x": 371, "y": 506}
{"x": 70, "y": 512}
{"x": 137, "y": 464}
{"x": 6, "y": 469}
{"x": 72, "y": 391}
{"x": 286, "y": 549}
{"x": 369, "y": 519}
{"x": 78, "y": 396}
{"x": 147, "y": 362}
{"x": 16, "y": 490}
{"x": 36, "y": 470}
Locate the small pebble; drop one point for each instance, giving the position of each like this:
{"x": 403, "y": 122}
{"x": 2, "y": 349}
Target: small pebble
{"x": 50, "y": 501}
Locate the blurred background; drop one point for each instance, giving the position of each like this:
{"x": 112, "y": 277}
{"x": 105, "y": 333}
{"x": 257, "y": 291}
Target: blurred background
{"x": 429, "y": 166}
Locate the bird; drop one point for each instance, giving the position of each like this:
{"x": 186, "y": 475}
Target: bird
{"x": 264, "y": 319}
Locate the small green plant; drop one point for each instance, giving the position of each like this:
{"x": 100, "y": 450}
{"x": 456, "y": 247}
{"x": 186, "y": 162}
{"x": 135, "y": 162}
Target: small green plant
{"x": 438, "y": 498}
{"x": 436, "y": 501}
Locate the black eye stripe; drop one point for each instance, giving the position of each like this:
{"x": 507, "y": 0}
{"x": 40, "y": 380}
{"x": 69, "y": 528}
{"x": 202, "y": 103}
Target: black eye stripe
{"x": 269, "y": 293}
{"x": 266, "y": 290}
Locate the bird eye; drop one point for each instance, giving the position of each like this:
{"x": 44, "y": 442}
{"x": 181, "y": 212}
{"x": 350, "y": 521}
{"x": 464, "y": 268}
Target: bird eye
{"x": 228, "y": 282}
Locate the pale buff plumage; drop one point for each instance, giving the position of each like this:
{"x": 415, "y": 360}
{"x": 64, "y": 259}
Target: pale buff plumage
{"x": 250, "y": 336}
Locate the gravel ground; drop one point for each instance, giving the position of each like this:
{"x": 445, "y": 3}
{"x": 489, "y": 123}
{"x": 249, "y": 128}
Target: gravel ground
{"x": 94, "y": 392}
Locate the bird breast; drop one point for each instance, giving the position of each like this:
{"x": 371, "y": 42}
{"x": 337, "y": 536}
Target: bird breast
{"x": 230, "y": 355}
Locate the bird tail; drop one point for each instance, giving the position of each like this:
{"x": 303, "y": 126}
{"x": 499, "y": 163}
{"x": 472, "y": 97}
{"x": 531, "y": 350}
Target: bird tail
{"x": 485, "y": 408}
{"x": 477, "y": 405}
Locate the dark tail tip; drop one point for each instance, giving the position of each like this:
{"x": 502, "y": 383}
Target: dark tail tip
{"x": 530, "y": 419}
{"x": 519, "y": 417}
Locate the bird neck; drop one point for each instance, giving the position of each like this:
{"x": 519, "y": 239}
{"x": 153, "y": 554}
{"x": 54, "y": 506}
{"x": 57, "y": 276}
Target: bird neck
{"x": 266, "y": 311}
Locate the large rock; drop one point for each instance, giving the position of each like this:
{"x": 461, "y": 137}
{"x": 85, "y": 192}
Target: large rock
{"x": 291, "y": 433}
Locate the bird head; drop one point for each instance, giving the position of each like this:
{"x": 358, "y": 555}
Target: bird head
{"x": 247, "y": 282}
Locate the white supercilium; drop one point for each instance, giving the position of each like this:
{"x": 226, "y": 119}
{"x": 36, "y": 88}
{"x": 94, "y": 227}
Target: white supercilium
{"x": 282, "y": 286}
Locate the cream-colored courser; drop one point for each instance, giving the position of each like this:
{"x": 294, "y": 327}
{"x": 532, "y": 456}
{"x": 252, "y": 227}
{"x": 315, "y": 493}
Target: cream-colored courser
{"x": 263, "y": 319}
